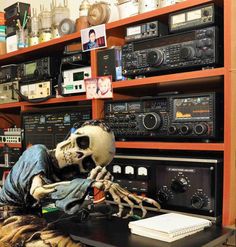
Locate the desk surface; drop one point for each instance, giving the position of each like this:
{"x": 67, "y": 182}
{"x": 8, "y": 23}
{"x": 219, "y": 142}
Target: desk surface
{"x": 114, "y": 232}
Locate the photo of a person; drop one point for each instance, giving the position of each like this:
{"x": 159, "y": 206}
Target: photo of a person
{"x": 93, "y": 37}
{"x": 91, "y": 88}
{"x": 98, "y": 87}
{"x": 105, "y": 87}
{"x": 92, "y": 40}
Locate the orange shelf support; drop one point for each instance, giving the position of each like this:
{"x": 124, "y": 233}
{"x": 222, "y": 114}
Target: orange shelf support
{"x": 177, "y": 77}
{"x": 172, "y": 146}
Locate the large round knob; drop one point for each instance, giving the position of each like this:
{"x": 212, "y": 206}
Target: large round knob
{"x": 155, "y": 57}
{"x": 187, "y": 52}
{"x": 200, "y": 129}
{"x": 151, "y": 121}
{"x": 198, "y": 201}
{"x": 179, "y": 185}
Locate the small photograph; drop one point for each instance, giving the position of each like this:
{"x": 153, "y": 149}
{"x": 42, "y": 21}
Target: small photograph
{"x": 99, "y": 87}
{"x": 93, "y": 37}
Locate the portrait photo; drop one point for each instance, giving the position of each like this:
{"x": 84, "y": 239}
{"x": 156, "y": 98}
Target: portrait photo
{"x": 93, "y": 37}
{"x": 99, "y": 87}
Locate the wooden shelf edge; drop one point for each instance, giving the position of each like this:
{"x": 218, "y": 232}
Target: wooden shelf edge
{"x": 47, "y": 44}
{"x": 177, "y": 77}
{"x": 11, "y": 145}
{"x": 172, "y": 146}
{"x": 49, "y": 101}
{"x": 156, "y": 13}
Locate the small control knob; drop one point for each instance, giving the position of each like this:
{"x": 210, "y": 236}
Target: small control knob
{"x": 198, "y": 201}
{"x": 185, "y": 129}
{"x": 187, "y": 52}
{"x": 163, "y": 196}
{"x": 152, "y": 25}
{"x": 208, "y": 42}
{"x": 179, "y": 185}
{"x": 206, "y": 12}
{"x": 209, "y": 53}
{"x": 209, "y": 33}
{"x": 155, "y": 57}
{"x": 172, "y": 130}
{"x": 152, "y": 121}
{"x": 200, "y": 129}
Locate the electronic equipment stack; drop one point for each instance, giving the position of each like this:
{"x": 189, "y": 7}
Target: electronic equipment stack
{"x": 38, "y": 78}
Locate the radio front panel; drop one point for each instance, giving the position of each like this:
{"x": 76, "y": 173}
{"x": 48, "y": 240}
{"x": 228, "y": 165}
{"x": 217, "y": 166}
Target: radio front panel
{"x": 179, "y": 183}
{"x": 51, "y": 126}
{"x": 186, "y": 116}
{"x": 188, "y": 50}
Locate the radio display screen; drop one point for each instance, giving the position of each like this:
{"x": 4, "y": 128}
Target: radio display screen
{"x": 165, "y": 41}
{"x": 78, "y": 76}
{"x": 192, "y": 108}
{"x": 30, "y": 68}
{"x": 133, "y": 30}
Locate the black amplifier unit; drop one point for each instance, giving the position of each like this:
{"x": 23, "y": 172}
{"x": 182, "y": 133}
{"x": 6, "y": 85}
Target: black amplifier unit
{"x": 188, "y": 50}
{"x": 51, "y": 126}
{"x": 145, "y": 31}
{"x": 183, "y": 116}
{"x": 188, "y": 184}
{"x": 39, "y": 69}
{"x": 8, "y": 73}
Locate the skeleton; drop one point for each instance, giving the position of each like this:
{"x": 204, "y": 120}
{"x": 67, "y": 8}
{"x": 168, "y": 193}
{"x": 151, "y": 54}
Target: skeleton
{"x": 89, "y": 149}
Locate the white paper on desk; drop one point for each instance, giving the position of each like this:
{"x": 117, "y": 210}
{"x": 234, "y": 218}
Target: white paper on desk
{"x": 168, "y": 227}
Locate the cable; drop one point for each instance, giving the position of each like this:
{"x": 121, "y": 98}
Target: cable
{"x": 31, "y": 100}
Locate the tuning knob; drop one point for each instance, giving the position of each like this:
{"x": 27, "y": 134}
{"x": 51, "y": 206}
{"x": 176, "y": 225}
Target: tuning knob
{"x": 152, "y": 121}
{"x": 200, "y": 129}
{"x": 164, "y": 195}
{"x": 155, "y": 57}
{"x": 199, "y": 201}
{"x": 179, "y": 185}
{"x": 187, "y": 52}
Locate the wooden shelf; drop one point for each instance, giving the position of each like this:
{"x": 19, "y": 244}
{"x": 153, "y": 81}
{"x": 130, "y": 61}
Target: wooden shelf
{"x": 156, "y": 13}
{"x": 172, "y": 146}
{"x": 59, "y": 43}
{"x": 48, "y": 102}
{"x": 199, "y": 75}
{"x": 11, "y": 145}
{"x": 38, "y": 50}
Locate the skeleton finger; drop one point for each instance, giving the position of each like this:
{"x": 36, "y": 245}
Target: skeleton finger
{"x": 94, "y": 172}
{"x": 52, "y": 186}
{"x": 102, "y": 174}
{"x": 129, "y": 202}
{"x": 138, "y": 198}
{"x": 108, "y": 176}
{"x": 150, "y": 201}
{"x": 116, "y": 199}
{"x": 135, "y": 198}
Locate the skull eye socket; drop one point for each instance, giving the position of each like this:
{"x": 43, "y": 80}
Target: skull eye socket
{"x": 83, "y": 142}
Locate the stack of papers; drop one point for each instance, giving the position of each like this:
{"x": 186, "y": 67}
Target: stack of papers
{"x": 168, "y": 227}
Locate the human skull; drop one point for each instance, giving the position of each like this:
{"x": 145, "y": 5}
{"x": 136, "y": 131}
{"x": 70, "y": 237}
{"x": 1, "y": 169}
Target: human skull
{"x": 93, "y": 143}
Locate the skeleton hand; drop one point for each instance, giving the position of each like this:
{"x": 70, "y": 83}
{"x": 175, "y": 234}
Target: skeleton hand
{"x": 100, "y": 173}
{"x": 118, "y": 194}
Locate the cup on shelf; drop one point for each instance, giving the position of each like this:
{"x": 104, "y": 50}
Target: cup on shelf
{"x": 22, "y": 38}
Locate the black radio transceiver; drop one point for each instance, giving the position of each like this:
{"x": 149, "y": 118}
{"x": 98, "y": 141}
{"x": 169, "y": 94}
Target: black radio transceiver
{"x": 39, "y": 69}
{"x": 188, "y": 50}
{"x": 184, "y": 116}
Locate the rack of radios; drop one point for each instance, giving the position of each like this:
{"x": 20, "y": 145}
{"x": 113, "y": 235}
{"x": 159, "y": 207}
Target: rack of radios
{"x": 185, "y": 181}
